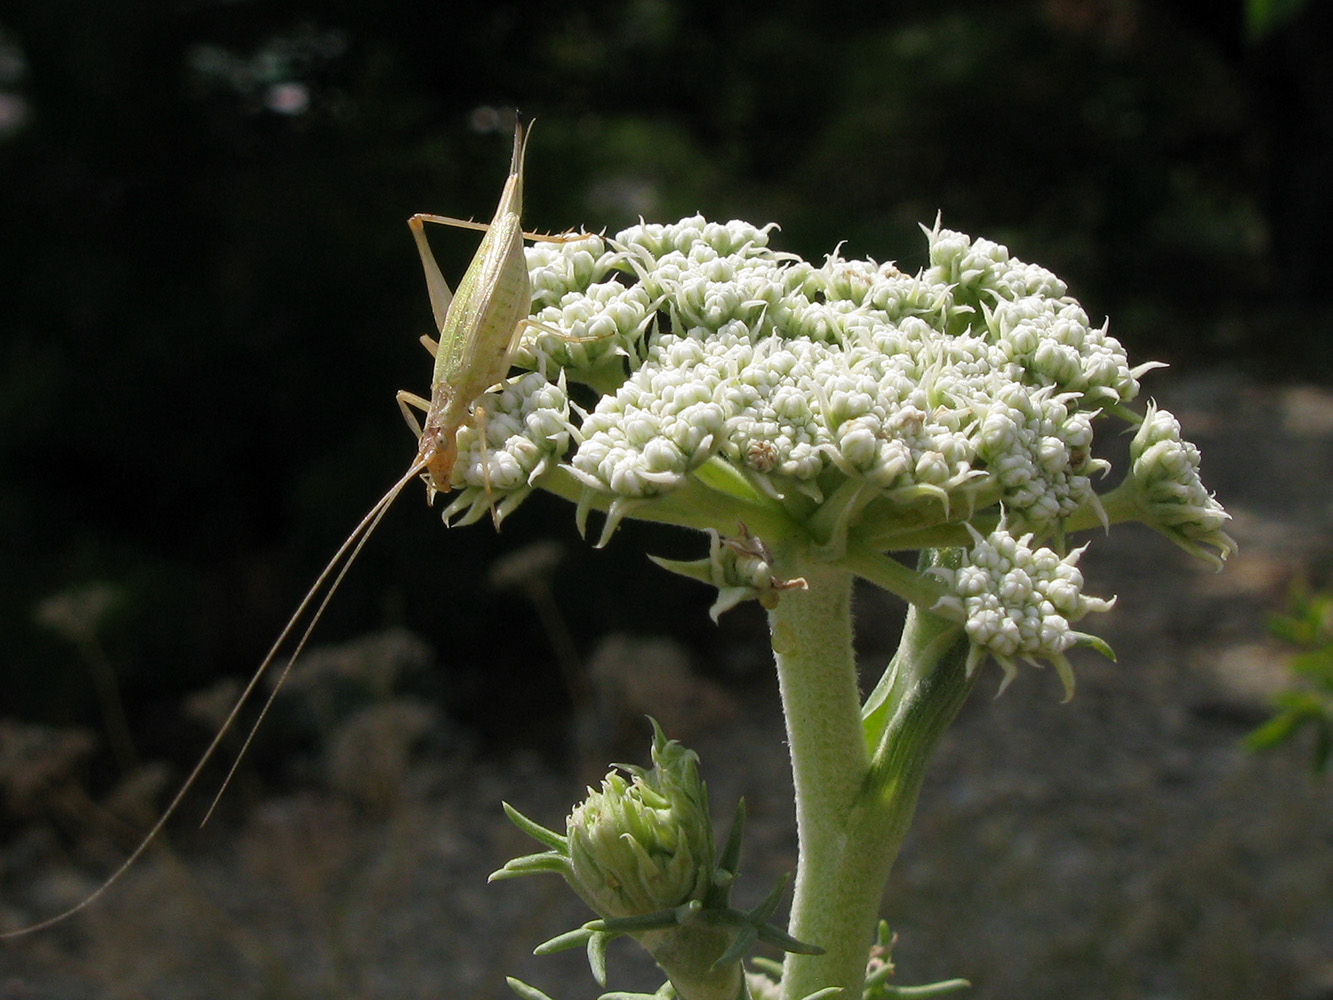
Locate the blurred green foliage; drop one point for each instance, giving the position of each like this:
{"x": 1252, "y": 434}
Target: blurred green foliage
{"x": 209, "y": 295}
{"x": 1263, "y": 16}
{"x": 1308, "y": 625}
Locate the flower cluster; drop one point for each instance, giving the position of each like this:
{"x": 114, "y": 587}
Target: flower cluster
{"x": 971, "y": 383}
{"x": 640, "y": 852}
{"x": 717, "y": 380}
{"x": 1017, "y": 601}
{"x": 522, "y": 431}
{"x": 1164, "y": 477}
{"x": 646, "y": 844}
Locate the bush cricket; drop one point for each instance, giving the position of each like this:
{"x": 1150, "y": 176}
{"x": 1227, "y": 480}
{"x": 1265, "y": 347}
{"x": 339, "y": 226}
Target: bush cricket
{"x": 478, "y": 327}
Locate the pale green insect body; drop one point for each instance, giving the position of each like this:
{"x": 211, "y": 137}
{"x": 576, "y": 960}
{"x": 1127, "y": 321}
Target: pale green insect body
{"x": 479, "y": 324}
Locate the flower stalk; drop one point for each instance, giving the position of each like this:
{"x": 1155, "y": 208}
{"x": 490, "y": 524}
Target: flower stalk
{"x": 856, "y": 778}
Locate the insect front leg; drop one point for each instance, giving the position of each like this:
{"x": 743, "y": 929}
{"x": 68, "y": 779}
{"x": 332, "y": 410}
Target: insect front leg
{"x": 407, "y": 400}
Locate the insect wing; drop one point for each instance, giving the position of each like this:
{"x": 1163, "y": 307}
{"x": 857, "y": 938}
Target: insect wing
{"x": 489, "y": 304}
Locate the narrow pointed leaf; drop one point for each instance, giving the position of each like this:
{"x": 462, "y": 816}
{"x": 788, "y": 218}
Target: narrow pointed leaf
{"x": 524, "y": 990}
{"x": 928, "y": 990}
{"x": 770, "y": 904}
{"x": 738, "y": 948}
{"x": 597, "y": 957}
{"x": 565, "y": 941}
{"x": 661, "y": 920}
{"x": 531, "y": 864}
{"x": 555, "y": 841}
{"x": 730, "y": 859}
{"x": 781, "y": 939}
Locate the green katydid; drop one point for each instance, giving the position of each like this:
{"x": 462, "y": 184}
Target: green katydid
{"x": 479, "y": 326}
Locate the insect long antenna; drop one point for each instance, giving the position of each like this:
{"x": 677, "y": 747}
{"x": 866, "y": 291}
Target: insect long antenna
{"x": 336, "y": 567}
{"x": 342, "y": 561}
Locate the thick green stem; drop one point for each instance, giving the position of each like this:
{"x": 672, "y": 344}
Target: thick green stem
{"x": 686, "y": 955}
{"x": 856, "y": 783}
{"x": 812, "y": 643}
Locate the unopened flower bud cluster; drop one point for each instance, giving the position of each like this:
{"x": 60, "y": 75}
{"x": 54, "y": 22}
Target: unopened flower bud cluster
{"x": 1018, "y": 601}
{"x": 1164, "y": 469}
{"x": 645, "y": 844}
{"x": 973, "y": 382}
{"x": 523, "y": 430}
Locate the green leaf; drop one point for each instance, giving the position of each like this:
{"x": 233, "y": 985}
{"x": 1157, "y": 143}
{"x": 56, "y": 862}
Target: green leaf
{"x": 1096, "y": 643}
{"x": 1274, "y": 732}
{"x": 536, "y": 831}
{"x": 531, "y": 864}
{"x": 719, "y": 474}
{"x": 741, "y": 944}
{"x": 781, "y": 939}
{"x": 656, "y": 921}
{"x": 524, "y": 990}
{"x": 597, "y": 957}
{"x": 769, "y": 905}
{"x": 564, "y": 942}
{"x": 927, "y": 990}
{"x": 1316, "y": 664}
{"x": 729, "y": 860}
{"x": 665, "y": 992}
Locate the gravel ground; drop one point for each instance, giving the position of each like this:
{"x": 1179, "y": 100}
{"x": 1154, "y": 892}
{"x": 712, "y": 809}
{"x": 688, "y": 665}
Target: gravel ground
{"x": 1119, "y": 846}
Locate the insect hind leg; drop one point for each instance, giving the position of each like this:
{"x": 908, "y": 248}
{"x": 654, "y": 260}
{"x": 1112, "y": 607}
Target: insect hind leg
{"x": 568, "y": 338}
{"x": 568, "y": 236}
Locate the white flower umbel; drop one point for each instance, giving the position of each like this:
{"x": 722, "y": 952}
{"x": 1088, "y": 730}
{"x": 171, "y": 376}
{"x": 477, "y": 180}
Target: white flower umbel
{"x": 880, "y": 403}
{"x": 523, "y": 430}
{"x": 933, "y": 433}
{"x": 1017, "y": 602}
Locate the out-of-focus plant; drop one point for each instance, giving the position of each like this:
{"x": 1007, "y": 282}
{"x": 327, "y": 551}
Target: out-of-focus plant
{"x": 1263, "y": 17}
{"x": 1308, "y": 625}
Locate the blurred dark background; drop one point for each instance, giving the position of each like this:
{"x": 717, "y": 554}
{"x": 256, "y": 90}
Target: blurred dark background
{"x": 208, "y": 296}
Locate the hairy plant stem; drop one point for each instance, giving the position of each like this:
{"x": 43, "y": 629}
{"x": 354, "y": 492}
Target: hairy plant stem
{"x": 856, "y": 782}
